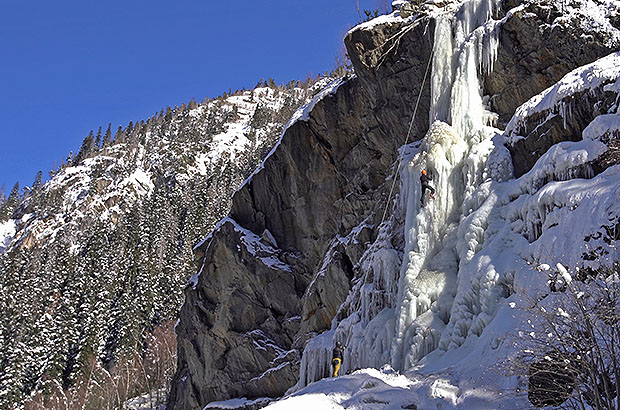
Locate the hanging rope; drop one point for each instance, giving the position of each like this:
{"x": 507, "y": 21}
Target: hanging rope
{"x": 400, "y": 157}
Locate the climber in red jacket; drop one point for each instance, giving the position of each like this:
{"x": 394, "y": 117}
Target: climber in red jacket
{"x": 425, "y": 178}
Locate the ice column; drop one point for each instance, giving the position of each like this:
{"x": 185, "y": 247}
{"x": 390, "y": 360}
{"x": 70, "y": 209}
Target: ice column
{"x": 464, "y": 46}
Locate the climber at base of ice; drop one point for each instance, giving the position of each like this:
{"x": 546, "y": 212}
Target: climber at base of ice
{"x": 337, "y": 358}
{"x": 425, "y": 178}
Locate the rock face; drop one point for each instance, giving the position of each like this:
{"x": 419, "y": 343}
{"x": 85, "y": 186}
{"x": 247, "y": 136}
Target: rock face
{"x": 246, "y": 318}
{"x": 392, "y": 60}
{"x": 277, "y": 270}
{"x": 310, "y": 212}
{"x": 538, "y": 46}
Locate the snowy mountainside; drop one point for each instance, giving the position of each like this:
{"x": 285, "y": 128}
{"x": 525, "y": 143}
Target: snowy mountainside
{"x": 100, "y": 252}
{"x": 195, "y": 143}
{"x": 436, "y": 294}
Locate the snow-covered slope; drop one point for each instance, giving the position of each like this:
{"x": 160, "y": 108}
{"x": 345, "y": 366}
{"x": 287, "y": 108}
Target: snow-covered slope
{"x": 119, "y": 175}
{"x": 99, "y": 254}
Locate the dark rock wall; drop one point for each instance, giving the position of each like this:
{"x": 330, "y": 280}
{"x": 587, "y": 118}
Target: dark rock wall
{"x": 391, "y": 61}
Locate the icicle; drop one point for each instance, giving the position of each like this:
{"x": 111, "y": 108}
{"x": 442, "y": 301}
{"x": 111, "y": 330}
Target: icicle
{"x": 442, "y": 74}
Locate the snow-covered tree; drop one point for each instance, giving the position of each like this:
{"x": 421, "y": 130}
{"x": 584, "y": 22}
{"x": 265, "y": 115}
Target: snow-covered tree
{"x": 570, "y": 351}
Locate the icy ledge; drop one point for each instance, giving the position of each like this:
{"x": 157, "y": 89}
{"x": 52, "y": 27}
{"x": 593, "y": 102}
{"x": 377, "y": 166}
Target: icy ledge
{"x": 603, "y": 72}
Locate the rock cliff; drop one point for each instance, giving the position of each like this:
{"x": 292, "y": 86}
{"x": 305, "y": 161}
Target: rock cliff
{"x": 276, "y": 271}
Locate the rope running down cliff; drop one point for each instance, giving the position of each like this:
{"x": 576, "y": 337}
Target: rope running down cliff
{"x": 400, "y": 157}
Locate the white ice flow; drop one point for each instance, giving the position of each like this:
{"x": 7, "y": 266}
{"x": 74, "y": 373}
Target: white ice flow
{"x": 446, "y": 306}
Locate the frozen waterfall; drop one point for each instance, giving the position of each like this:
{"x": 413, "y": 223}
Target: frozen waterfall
{"x": 455, "y": 154}
{"x": 412, "y": 316}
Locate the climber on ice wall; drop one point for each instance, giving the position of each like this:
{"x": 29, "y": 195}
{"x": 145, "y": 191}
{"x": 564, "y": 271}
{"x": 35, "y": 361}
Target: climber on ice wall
{"x": 337, "y": 358}
{"x": 425, "y": 178}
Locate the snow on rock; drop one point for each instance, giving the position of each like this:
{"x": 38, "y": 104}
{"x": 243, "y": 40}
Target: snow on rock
{"x": 603, "y": 127}
{"x": 240, "y": 403}
{"x": 154, "y": 400}
{"x": 260, "y": 248}
{"x": 108, "y": 183}
{"x": 139, "y": 181}
{"x": 592, "y": 15}
{"x": 7, "y": 232}
{"x": 563, "y": 161}
{"x": 303, "y": 112}
{"x": 392, "y": 18}
{"x": 605, "y": 71}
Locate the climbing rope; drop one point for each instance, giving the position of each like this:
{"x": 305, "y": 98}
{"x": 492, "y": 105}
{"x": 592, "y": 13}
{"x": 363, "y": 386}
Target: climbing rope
{"x": 400, "y": 157}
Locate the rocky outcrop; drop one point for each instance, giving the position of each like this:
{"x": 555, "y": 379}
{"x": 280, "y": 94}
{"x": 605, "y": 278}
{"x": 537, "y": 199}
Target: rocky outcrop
{"x": 245, "y": 320}
{"x": 391, "y": 61}
{"x": 538, "y": 46}
{"x": 242, "y": 319}
{"x": 312, "y": 209}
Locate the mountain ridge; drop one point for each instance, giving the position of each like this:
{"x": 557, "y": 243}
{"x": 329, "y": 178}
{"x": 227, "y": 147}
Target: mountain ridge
{"x": 101, "y": 251}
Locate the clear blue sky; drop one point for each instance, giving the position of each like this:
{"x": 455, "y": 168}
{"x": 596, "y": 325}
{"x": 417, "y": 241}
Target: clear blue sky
{"x": 69, "y": 66}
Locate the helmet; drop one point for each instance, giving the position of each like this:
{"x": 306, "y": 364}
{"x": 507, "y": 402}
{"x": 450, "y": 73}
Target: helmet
{"x": 338, "y": 344}
{"x": 423, "y": 172}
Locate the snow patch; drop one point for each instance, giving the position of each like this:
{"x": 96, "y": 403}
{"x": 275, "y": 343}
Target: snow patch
{"x": 384, "y": 19}
{"x": 237, "y": 403}
{"x": 7, "y": 232}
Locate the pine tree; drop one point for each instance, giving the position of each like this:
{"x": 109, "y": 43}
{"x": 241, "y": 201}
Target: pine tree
{"x": 98, "y": 140}
{"x": 129, "y": 129}
{"x": 107, "y": 138}
{"x": 119, "y": 136}
{"x": 11, "y": 203}
{"x": 87, "y": 148}
{"x": 38, "y": 181}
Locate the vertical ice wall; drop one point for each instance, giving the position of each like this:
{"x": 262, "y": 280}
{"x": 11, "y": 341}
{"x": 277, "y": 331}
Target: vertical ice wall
{"x": 455, "y": 154}
{"x": 398, "y": 311}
